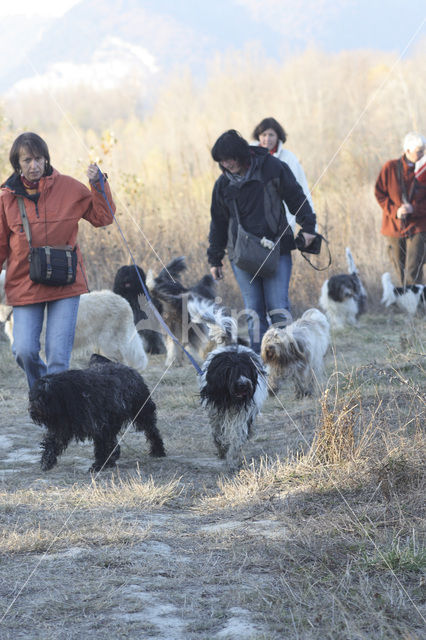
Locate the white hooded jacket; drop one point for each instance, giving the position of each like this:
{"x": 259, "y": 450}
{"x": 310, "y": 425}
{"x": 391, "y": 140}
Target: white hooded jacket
{"x": 289, "y": 158}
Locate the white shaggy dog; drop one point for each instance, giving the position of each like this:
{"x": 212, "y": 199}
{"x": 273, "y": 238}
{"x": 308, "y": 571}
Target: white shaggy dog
{"x": 104, "y": 325}
{"x": 297, "y": 350}
{"x": 406, "y": 298}
{"x": 233, "y": 389}
{"x": 343, "y": 297}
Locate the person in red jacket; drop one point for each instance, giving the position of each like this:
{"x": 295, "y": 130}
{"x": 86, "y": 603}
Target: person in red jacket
{"x": 54, "y": 205}
{"x": 403, "y": 201}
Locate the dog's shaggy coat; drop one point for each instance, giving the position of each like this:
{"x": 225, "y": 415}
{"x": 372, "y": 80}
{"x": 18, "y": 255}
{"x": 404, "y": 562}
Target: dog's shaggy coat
{"x": 233, "y": 389}
{"x": 174, "y": 297}
{"x": 406, "y": 298}
{"x": 298, "y": 350}
{"x": 343, "y": 297}
{"x": 104, "y": 325}
{"x": 93, "y": 404}
{"x": 127, "y": 283}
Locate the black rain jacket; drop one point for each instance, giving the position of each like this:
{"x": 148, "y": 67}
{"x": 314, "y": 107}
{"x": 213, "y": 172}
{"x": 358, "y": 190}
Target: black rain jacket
{"x": 259, "y": 201}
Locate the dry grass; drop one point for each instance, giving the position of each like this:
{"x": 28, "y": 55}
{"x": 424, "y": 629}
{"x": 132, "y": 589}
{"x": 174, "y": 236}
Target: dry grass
{"x": 319, "y": 536}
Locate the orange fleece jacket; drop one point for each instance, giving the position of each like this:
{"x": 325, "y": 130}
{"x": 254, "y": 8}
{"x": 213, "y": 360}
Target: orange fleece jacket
{"x": 53, "y": 221}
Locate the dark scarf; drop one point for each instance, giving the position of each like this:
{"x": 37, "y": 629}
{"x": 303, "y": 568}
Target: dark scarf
{"x": 30, "y": 186}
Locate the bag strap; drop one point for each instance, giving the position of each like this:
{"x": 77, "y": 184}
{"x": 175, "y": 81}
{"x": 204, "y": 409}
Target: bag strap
{"x": 234, "y": 202}
{"x": 24, "y": 218}
{"x": 280, "y": 232}
{"x": 329, "y": 256}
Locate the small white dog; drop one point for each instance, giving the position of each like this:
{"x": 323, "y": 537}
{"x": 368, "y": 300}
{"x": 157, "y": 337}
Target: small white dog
{"x": 104, "y": 325}
{"x": 406, "y": 298}
{"x": 297, "y": 350}
{"x": 343, "y": 297}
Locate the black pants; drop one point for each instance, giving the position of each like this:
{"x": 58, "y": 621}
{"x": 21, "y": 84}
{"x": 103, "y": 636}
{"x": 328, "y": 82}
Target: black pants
{"x": 408, "y": 256}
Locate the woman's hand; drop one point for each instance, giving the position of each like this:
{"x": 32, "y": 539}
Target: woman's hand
{"x": 92, "y": 173}
{"x": 217, "y": 273}
{"x": 404, "y": 210}
{"x": 308, "y": 238}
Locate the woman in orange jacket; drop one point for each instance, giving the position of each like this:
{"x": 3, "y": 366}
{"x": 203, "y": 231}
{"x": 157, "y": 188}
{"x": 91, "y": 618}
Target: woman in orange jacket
{"x": 54, "y": 205}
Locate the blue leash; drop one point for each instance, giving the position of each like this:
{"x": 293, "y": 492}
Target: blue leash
{"x": 145, "y": 290}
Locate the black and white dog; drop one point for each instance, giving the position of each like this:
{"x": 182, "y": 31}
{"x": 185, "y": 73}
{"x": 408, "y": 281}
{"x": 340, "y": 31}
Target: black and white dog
{"x": 406, "y": 298}
{"x": 175, "y": 298}
{"x": 127, "y": 283}
{"x": 343, "y": 297}
{"x": 93, "y": 404}
{"x": 233, "y": 389}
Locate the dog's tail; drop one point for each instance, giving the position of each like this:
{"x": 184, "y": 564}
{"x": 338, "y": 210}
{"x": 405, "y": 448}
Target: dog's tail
{"x": 351, "y": 263}
{"x": 172, "y": 270}
{"x": 388, "y": 296}
{"x": 222, "y": 328}
{"x": 362, "y": 296}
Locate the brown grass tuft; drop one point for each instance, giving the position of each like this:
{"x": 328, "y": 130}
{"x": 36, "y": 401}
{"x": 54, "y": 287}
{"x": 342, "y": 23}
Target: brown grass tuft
{"x": 334, "y": 440}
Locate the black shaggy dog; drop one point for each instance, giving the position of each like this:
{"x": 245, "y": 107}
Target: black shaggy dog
{"x": 128, "y": 285}
{"x": 233, "y": 389}
{"x": 93, "y": 404}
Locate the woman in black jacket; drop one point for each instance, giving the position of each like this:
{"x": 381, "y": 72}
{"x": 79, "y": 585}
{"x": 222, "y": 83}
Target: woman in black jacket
{"x": 258, "y": 183}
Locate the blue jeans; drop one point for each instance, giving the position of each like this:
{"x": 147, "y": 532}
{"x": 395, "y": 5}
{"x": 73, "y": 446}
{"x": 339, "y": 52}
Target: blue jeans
{"x": 265, "y": 297}
{"x": 60, "y": 328}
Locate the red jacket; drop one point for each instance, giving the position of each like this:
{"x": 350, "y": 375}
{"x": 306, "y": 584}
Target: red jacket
{"x": 389, "y": 196}
{"x": 53, "y": 220}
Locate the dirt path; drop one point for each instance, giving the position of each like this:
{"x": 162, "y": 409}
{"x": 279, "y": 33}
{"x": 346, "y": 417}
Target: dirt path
{"x": 194, "y": 563}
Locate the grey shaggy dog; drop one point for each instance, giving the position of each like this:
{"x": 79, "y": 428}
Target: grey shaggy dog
{"x": 298, "y": 351}
{"x": 233, "y": 389}
{"x": 93, "y": 404}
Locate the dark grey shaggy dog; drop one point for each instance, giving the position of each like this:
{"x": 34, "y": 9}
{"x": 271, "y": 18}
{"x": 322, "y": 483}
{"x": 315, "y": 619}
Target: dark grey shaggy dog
{"x": 127, "y": 283}
{"x": 174, "y": 297}
{"x": 93, "y": 404}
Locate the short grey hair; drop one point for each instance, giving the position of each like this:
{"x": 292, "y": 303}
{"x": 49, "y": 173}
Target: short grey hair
{"x": 413, "y": 141}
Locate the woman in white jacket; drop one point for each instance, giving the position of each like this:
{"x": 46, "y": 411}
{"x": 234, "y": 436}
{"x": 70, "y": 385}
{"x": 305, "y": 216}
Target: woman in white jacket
{"x": 271, "y": 135}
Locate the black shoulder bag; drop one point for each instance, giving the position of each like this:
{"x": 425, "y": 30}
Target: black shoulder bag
{"x": 258, "y": 256}
{"x": 52, "y": 266}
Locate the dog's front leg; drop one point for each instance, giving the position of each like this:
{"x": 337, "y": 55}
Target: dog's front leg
{"x": 238, "y": 436}
{"x": 106, "y": 451}
{"x": 273, "y": 379}
{"x": 218, "y": 433}
{"x": 302, "y": 381}
{"x": 52, "y": 448}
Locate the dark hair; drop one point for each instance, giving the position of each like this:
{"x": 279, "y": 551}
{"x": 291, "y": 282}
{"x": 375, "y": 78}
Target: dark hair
{"x": 270, "y": 123}
{"x": 34, "y": 144}
{"x": 231, "y": 145}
